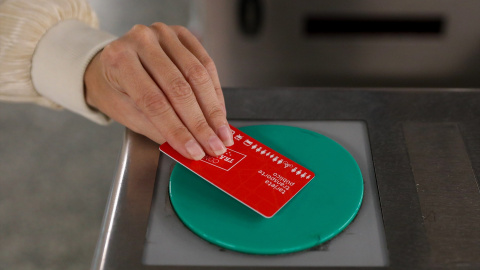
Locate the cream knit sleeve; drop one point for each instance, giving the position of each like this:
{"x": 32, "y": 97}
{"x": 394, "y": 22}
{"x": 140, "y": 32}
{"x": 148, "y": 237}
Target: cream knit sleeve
{"x": 45, "y": 47}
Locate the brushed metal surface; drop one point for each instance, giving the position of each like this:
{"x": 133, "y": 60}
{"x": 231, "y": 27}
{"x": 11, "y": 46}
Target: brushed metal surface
{"x": 448, "y": 191}
{"x": 122, "y": 237}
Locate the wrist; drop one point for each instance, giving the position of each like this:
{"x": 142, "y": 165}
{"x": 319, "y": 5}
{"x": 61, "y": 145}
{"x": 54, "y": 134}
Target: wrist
{"x": 91, "y": 82}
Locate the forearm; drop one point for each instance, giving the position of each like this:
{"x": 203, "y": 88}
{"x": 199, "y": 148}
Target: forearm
{"x": 45, "y": 48}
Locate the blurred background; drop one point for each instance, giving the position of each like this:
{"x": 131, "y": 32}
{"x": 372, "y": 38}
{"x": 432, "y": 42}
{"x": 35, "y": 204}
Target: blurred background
{"x": 56, "y": 168}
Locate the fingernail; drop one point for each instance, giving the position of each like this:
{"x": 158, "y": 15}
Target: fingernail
{"x": 217, "y": 146}
{"x": 225, "y": 135}
{"x": 194, "y": 149}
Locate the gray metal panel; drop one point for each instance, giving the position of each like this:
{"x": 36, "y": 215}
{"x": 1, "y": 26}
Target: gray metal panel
{"x": 169, "y": 242}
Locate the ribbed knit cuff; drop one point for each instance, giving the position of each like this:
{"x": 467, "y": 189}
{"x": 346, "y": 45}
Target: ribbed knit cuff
{"x": 59, "y": 63}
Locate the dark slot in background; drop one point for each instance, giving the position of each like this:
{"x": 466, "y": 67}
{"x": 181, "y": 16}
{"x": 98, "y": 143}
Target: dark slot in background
{"x": 343, "y": 25}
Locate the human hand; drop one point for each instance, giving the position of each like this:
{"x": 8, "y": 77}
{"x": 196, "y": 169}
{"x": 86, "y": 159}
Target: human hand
{"x": 160, "y": 82}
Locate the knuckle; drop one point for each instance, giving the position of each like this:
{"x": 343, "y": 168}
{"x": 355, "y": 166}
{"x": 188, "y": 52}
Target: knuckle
{"x": 200, "y": 126}
{"x": 153, "y": 104}
{"x": 197, "y": 74}
{"x": 141, "y": 33}
{"x": 209, "y": 64}
{"x": 161, "y": 28}
{"x": 177, "y": 132}
{"x": 181, "y": 30}
{"x": 139, "y": 28}
{"x": 215, "y": 112}
{"x": 180, "y": 89}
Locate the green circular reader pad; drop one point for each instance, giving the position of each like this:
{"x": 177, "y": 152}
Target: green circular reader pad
{"x": 320, "y": 211}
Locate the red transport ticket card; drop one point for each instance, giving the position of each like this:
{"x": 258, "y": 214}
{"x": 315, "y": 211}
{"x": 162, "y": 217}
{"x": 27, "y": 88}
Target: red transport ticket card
{"x": 250, "y": 172}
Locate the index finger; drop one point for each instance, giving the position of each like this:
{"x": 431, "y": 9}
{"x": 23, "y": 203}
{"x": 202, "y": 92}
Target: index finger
{"x": 195, "y": 47}
{"x": 198, "y": 79}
